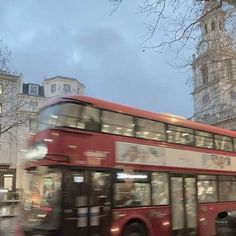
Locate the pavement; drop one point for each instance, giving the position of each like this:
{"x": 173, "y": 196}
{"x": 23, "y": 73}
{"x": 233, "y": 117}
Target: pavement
{"x": 7, "y": 226}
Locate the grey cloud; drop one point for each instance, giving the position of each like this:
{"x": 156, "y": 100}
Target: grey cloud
{"x": 80, "y": 39}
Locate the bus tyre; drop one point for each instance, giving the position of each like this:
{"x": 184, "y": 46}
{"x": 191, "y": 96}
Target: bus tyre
{"x": 135, "y": 229}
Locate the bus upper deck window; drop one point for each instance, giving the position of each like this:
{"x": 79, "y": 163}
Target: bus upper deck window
{"x": 78, "y": 116}
{"x": 181, "y": 135}
{"x": 148, "y": 129}
{"x": 234, "y": 144}
{"x": 116, "y": 123}
{"x": 91, "y": 118}
{"x": 92, "y": 124}
{"x": 223, "y": 143}
{"x": 204, "y": 139}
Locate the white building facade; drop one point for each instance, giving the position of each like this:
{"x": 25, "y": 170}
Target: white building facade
{"x": 18, "y": 102}
{"x": 9, "y": 88}
{"x": 60, "y": 85}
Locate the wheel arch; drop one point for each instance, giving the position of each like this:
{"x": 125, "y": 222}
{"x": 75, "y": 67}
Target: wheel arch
{"x": 144, "y": 223}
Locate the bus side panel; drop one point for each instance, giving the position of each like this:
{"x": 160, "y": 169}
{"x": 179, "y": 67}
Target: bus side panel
{"x": 208, "y": 213}
{"x": 160, "y": 220}
{"x": 156, "y": 219}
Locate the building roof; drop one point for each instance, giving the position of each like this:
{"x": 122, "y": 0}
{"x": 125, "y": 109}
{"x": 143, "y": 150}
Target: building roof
{"x": 6, "y": 74}
{"x": 63, "y": 78}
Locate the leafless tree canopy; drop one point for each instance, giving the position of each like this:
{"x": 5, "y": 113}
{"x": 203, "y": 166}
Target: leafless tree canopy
{"x": 14, "y": 112}
{"x": 14, "y": 107}
{"x": 178, "y": 21}
{"x": 4, "y": 57}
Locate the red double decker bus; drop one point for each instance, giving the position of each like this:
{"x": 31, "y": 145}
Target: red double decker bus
{"x": 97, "y": 168}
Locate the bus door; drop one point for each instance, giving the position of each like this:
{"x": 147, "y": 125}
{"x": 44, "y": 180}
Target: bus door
{"x": 183, "y": 205}
{"x": 86, "y": 203}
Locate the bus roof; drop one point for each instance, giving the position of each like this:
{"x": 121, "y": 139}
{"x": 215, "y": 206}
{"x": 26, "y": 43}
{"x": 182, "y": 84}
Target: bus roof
{"x": 167, "y": 118}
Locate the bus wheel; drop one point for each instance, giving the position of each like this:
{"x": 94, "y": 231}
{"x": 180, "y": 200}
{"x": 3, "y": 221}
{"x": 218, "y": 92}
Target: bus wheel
{"x": 135, "y": 229}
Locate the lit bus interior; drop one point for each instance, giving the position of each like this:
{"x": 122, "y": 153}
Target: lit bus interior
{"x": 87, "y": 117}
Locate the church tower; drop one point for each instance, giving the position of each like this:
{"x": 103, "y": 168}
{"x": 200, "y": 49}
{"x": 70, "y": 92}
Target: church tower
{"x": 214, "y": 71}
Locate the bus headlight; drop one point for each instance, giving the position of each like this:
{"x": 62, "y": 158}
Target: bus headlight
{"x": 36, "y": 152}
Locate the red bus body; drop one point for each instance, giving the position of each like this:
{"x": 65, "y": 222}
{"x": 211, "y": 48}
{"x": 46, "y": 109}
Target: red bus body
{"x": 72, "y": 148}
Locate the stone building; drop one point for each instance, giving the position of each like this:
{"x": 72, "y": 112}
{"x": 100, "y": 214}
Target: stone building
{"x": 214, "y": 72}
{"x": 18, "y": 101}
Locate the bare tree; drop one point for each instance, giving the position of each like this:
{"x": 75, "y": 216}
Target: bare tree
{"x": 177, "y": 20}
{"x": 14, "y": 108}
{"x": 4, "y": 57}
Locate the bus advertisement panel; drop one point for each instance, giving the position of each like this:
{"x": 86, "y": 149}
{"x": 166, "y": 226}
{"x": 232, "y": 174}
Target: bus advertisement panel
{"x": 160, "y": 156}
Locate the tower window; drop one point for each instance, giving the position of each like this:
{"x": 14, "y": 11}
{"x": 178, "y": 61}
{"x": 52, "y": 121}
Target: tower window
{"x": 204, "y": 71}
{"x": 220, "y": 26}
{"x": 233, "y": 95}
{"x": 213, "y": 25}
{"x": 205, "y": 28}
{"x": 205, "y": 99}
{"x": 206, "y": 116}
{"x": 229, "y": 68}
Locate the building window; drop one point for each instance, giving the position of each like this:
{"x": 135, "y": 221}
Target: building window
{"x": 220, "y": 26}
{"x": 8, "y": 181}
{"x": 33, "y": 89}
{"x": 67, "y": 88}
{"x": 1, "y": 88}
{"x": 204, "y": 71}
{"x": 33, "y": 103}
{"x": 53, "y": 88}
{"x": 213, "y": 25}
{"x": 205, "y": 99}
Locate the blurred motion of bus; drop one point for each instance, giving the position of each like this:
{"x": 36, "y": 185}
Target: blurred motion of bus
{"x": 96, "y": 168}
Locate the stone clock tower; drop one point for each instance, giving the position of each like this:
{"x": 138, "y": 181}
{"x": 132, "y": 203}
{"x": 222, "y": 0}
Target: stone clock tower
{"x": 214, "y": 72}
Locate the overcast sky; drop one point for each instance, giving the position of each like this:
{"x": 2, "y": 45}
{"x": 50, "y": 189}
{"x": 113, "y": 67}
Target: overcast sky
{"x": 83, "y": 40}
